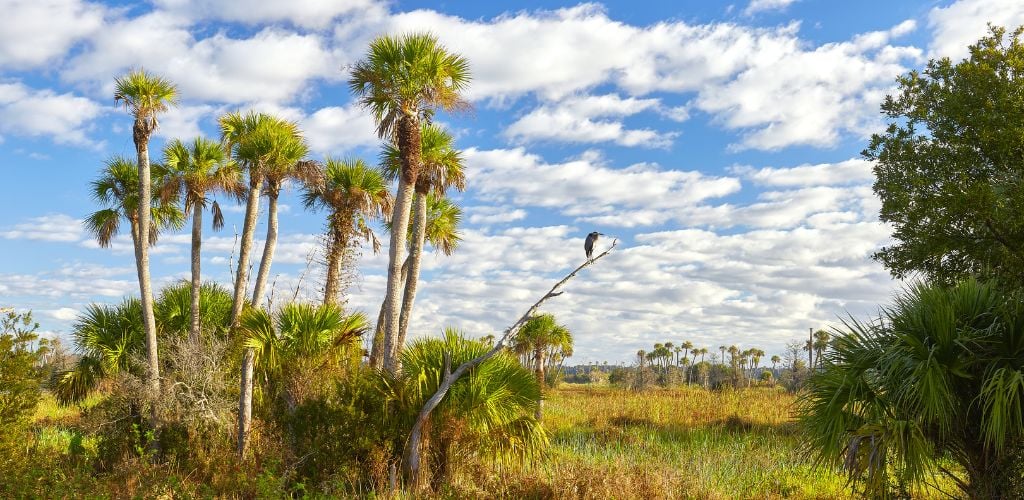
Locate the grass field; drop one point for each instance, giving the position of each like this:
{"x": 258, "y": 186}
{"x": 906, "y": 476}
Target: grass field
{"x": 605, "y": 443}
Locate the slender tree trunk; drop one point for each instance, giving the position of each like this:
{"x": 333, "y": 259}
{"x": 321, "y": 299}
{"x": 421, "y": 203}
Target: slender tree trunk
{"x": 538, "y": 358}
{"x": 142, "y": 257}
{"x": 409, "y": 148}
{"x": 197, "y": 242}
{"x": 377, "y": 348}
{"x": 268, "y": 247}
{"x": 252, "y": 208}
{"x": 245, "y": 401}
{"x": 419, "y": 229}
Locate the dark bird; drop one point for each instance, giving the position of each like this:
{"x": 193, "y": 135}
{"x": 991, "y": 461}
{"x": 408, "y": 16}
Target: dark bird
{"x": 589, "y": 244}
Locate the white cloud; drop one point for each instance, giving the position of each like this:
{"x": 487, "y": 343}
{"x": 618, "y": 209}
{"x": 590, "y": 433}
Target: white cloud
{"x": 58, "y": 227}
{"x": 63, "y": 313}
{"x": 272, "y": 65}
{"x": 305, "y": 13}
{"x": 960, "y": 24}
{"x": 810, "y": 97}
{"x": 42, "y": 112}
{"x": 494, "y": 215}
{"x": 592, "y": 119}
{"x": 584, "y": 188}
{"x": 337, "y": 129}
{"x": 756, "y": 6}
{"x": 182, "y": 122}
{"x": 852, "y": 171}
{"x": 35, "y": 32}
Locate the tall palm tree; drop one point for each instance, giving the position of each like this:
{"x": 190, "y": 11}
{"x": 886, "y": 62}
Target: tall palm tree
{"x": 354, "y": 194}
{"x": 283, "y": 150}
{"x": 403, "y": 80}
{"x": 687, "y": 346}
{"x": 117, "y": 189}
{"x": 198, "y": 170}
{"x": 821, "y": 340}
{"x": 540, "y": 336}
{"x": 234, "y": 129}
{"x": 145, "y": 96}
{"x": 441, "y": 168}
{"x": 775, "y": 361}
{"x": 443, "y": 234}
{"x": 722, "y": 348}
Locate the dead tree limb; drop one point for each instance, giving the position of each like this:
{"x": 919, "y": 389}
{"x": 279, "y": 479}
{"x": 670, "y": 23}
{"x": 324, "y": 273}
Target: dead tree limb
{"x": 411, "y": 462}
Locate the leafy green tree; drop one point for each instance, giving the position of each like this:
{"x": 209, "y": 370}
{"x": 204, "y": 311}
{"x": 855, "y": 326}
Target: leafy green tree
{"x": 145, "y": 96}
{"x": 488, "y": 414}
{"x": 940, "y": 374}
{"x": 355, "y": 194}
{"x": 403, "y": 80}
{"x": 198, "y": 170}
{"x": 948, "y": 167}
{"x": 20, "y": 386}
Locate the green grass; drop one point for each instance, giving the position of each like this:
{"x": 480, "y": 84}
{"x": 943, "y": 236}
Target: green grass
{"x": 605, "y": 443}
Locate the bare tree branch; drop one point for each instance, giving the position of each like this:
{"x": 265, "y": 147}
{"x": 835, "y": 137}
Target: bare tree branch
{"x": 412, "y": 450}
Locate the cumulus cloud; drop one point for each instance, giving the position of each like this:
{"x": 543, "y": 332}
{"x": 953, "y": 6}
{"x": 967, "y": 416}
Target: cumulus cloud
{"x": 30, "y": 112}
{"x": 36, "y": 32}
{"x": 305, "y": 13}
{"x": 482, "y": 214}
{"x": 339, "y": 129}
{"x": 962, "y": 23}
{"x": 271, "y": 65}
{"x": 58, "y": 227}
{"x": 592, "y": 119}
{"x": 852, "y": 171}
{"x": 585, "y": 188}
{"x": 756, "y": 6}
{"x": 811, "y": 96}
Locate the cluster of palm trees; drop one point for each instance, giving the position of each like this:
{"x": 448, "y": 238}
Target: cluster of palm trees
{"x": 403, "y": 81}
{"x": 666, "y": 358}
{"x": 544, "y": 344}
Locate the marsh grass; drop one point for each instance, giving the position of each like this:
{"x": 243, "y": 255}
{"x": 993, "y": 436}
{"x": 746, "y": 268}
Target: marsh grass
{"x": 605, "y": 443}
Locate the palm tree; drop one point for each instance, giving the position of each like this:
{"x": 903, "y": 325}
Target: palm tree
{"x": 821, "y": 339}
{"x": 198, "y": 170}
{"x": 354, "y": 194}
{"x": 939, "y": 377}
{"x": 116, "y": 189}
{"x": 488, "y": 414}
{"x": 540, "y": 337}
{"x": 775, "y": 360}
{"x": 687, "y": 346}
{"x": 403, "y": 80}
{"x": 722, "y": 348}
{"x": 299, "y": 338}
{"x": 145, "y": 96}
{"x": 443, "y": 234}
{"x": 441, "y": 168}
{"x": 283, "y": 149}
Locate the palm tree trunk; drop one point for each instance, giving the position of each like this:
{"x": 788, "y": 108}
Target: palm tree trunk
{"x": 268, "y": 247}
{"x": 377, "y": 348}
{"x": 197, "y": 242}
{"x": 409, "y": 148}
{"x": 339, "y": 242}
{"x": 252, "y": 207}
{"x": 399, "y": 221}
{"x": 245, "y": 401}
{"x": 538, "y": 358}
{"x": 419, "y": 229}
{"x": 142, "y": 257}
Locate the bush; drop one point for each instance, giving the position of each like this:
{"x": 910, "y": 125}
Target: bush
{"x": 20, "y": 381}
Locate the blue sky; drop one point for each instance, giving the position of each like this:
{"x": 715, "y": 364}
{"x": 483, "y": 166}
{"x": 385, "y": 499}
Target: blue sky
{"x": 718, "y": 141}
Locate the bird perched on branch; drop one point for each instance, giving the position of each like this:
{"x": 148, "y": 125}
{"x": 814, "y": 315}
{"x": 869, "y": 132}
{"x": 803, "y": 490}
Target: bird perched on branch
{"x": 589, "y": 244}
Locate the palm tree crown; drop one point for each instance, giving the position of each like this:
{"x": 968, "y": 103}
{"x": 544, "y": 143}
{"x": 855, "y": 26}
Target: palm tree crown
{"x": 117, "y": 190}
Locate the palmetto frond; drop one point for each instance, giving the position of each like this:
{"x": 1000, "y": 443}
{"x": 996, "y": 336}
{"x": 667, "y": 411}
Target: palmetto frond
{"x": 117, "y": 188}
{"x": 442, "y": 164}
{"x": 145, "y": 95}
{"x": 411, "y": 74}
{"x": 199, "y": 169}
{"x": 443, "y": 219}
{"x": 299, "y": 331}
{"x": 173, "y": 308}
